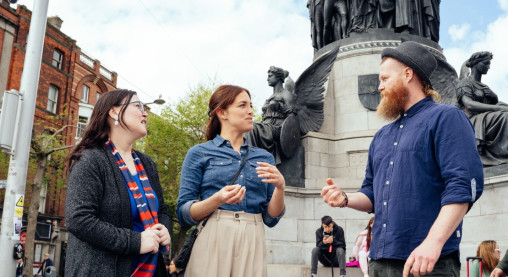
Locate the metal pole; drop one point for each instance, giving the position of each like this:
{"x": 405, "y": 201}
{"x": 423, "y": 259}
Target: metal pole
{"x": 18, "y": 166}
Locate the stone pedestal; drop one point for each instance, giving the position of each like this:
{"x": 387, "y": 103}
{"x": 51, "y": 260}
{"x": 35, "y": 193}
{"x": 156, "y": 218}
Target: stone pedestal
{"x": 339, "y": 151}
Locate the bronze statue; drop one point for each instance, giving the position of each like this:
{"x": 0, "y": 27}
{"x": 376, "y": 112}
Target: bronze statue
{"x": 430, "y": 19}
{"x": 488, "y": 116}
{"x": 266, "y": 134}
{"x": 341, "y": 18}
{"x": 332, "y": 20}
{"x": 293, "y": 109}
{"x": 363, "y": 15}
{"x": 316, "y": 15}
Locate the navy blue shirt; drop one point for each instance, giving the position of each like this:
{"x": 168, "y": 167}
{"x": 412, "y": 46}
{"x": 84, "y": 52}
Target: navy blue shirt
{"x": 210, "y": 166}
{"x": 420, "y": 162}
{"x": 137, "y": 224}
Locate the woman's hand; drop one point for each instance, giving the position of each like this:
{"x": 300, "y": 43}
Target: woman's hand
{"x": 149, "y": 241}
{"x": 231, "y": 194}
{"x": 270, "y": 174}
{"x": 163, "y": 233}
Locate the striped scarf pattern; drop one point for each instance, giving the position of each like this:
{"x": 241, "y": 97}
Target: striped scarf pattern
{"x": 147, "y": 211}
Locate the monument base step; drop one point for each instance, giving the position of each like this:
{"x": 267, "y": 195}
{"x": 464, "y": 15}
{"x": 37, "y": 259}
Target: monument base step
{"x": 295, "y": 270}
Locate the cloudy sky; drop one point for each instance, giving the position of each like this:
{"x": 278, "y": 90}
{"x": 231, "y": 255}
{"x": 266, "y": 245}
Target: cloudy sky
{"x": 167, "y": 47}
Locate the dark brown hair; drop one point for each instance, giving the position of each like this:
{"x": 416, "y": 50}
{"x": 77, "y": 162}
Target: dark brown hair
{"x": 97, "y": 130}
{"x": 221, "y": 98}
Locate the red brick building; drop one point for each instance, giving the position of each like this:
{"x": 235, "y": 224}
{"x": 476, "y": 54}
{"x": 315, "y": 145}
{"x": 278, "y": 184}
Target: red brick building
{"x": 69, "y": 85}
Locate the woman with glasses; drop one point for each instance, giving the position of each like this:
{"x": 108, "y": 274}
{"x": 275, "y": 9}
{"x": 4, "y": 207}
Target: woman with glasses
{"x": 114, "y": 211}
{"x": 490, "y": 253}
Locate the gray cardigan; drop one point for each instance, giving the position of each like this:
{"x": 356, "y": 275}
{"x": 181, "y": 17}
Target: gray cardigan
{"x": 98, "y": 215}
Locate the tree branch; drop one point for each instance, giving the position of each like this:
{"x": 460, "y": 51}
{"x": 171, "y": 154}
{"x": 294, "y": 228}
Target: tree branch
{"x": 59, "y": 148}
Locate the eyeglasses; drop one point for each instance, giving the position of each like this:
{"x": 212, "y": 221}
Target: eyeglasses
{"x": 139, "y": 104}
{"x": 497, "y": 250}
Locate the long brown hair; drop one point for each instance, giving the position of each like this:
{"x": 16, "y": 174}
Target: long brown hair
{"x": 97, "y": 130}
{"x": 221, "y": 98}
{"x": 369, "y": 232}
{"x": 486, "y": 252}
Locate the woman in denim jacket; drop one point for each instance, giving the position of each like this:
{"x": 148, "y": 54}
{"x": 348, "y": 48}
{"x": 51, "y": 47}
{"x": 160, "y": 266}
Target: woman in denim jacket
{"x": 233, "y": 242}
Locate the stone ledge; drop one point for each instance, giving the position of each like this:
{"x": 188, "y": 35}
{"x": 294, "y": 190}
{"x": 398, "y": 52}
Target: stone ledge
{"x": 296, "y": 270}
{"x": 349, "y": 135}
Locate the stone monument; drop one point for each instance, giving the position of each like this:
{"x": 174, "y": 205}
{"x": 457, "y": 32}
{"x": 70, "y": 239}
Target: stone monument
{"x": 339, "y": 148}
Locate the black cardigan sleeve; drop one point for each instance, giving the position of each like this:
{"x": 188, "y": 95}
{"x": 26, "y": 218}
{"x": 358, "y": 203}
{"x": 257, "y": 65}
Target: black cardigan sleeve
{"x": 85, "y": 192}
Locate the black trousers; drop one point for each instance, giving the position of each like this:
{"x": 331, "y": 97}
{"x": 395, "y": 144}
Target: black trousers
{"x": 446, "y": 266}
{"x": 338, "y": 259}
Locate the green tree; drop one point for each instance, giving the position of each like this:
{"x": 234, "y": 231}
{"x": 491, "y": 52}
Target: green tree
{"x": 47, "y": 153}
{"x": 170, "y": 135}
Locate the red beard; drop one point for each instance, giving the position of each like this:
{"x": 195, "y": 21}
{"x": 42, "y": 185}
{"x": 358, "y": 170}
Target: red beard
{"x": 392, "y": 102}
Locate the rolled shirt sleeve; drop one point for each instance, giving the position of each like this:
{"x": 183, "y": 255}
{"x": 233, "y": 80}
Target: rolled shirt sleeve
{"x": 458, "y": 158}
{"x": 190, "y": 182}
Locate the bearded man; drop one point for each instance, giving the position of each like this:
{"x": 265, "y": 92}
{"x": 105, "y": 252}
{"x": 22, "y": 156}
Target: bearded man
{"x": 423, "y": 172}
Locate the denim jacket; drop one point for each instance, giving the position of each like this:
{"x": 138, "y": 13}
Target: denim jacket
{"x": 210, "y": 166}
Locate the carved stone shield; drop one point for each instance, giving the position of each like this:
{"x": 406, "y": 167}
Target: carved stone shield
{"x": 290, "y": 136}
{"x": 367, "y": 91}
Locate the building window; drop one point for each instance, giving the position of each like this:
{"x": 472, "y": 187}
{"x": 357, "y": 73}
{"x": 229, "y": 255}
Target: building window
{"x": 57, "y": 59}
{"x": 52, "y": 98}
{"x": 82, "y": 121}
{"x": 97, "y": 95}
{"x": 84, "y": 94}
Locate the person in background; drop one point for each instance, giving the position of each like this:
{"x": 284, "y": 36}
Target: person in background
{"x": 19, "y": 267}
{"x": 115, "y": 211}
{"x": 330, "y": 246}
{"x": 47, "y": 262}
{"x": 232, "y": 243}
{"x": 490, "y": 253}
{"x": 173, "y": 271}
{"x": 362, "y": 247}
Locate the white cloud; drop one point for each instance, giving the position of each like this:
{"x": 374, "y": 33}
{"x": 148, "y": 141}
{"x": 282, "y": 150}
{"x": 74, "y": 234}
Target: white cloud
{"x": 459, "y": 32}
{"x": 168, "y": 46}
{"x": 494, "y": 40}
{"x": 165, "y": 47}
{"x": 503, "y": 4}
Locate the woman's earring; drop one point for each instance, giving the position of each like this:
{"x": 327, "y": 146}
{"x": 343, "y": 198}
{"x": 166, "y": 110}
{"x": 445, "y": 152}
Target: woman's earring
{"x": 116, "y": 120}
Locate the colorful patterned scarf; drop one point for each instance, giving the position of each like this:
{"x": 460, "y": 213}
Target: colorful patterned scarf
{"x": 147, "y": 211}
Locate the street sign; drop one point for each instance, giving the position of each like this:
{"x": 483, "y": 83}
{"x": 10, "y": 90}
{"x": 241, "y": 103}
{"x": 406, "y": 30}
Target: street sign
{"x": 22, "y": 238}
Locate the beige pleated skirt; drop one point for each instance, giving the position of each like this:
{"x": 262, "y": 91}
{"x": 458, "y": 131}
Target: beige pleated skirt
{"x": 230, "y": 244}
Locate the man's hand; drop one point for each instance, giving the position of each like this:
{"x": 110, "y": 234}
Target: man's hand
{"x": 332, "y": 195}
{"x": 328, "y": 240}
{"x": 497, "y": 272}
{"x": 422, "y": 259}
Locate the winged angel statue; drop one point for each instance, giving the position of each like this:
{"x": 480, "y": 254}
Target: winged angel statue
{"x": 488, "y": 115}
{"x": 293, "y": 109}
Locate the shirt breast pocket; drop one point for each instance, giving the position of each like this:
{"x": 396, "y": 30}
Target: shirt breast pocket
{"x": 414, "y": 139}
{"x": 220, "y": 171}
